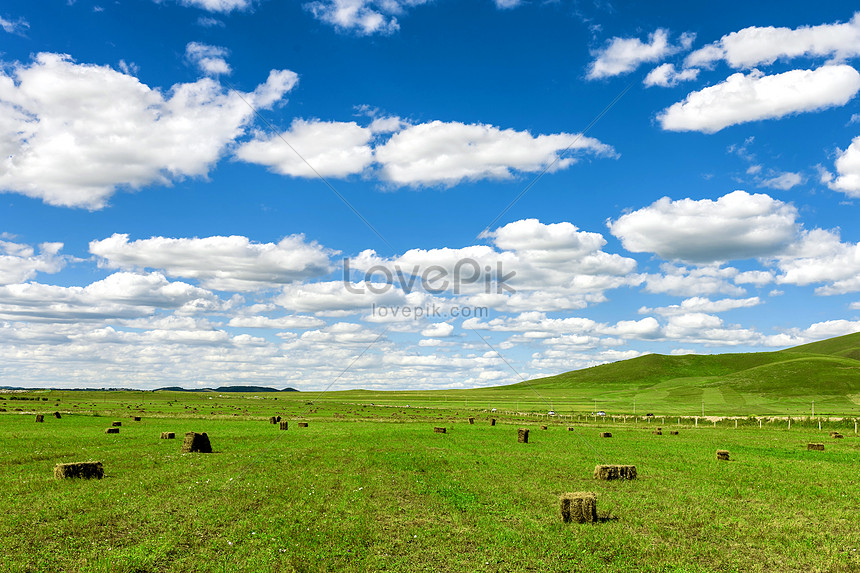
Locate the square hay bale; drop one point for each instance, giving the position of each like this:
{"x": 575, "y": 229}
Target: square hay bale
{"x": 723, "y": 455}
{"x": 112, "y": 431}
{"x": 570, "y": 428}
{"x": 273, "y": 420}
{"x": 137, "y": 418}
{"x": 492, "y": 421}
{"x": 168, "y": 435}
{"x": 611, "y": 472}
{"x": 659, "y": 429}
{"x": 673, "y": 432}
{"x": 302, "y": 424}
{"x": 195, "y": 442}
{"x": 471, "y": 420}
{"x": 838, "y": 436}
{"x": 578, "y": 507}
{"x": 657, "y": 433}
{"x": 440, "y": 430}
{"x": 57, "y": 415}
{"x": 84, "y": 470}
{"x": 818, "y": 447}
{"x": 40, "y": 418}
{"x": 605, "y": 434}
{"x": 544, "y": 428}
{"x": 283, "y": 425}
{"x": 116, "y": 424}
{"x": 523, "y": 435}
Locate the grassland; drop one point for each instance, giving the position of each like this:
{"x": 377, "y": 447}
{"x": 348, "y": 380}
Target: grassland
{"x": 369, "y": 486}
{"x": 372, "y": 488}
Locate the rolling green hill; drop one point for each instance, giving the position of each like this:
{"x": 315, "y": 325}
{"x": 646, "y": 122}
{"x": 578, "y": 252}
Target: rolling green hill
{"x": 827, "y": 372}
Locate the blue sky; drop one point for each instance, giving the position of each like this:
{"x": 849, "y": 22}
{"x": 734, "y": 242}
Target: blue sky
{"x": 184, "y": 183}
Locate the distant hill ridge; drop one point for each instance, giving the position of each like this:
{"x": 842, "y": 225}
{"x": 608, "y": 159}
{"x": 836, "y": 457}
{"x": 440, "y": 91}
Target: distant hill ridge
{"x": 226, "y": 389}
{"x": 829, "y": 369}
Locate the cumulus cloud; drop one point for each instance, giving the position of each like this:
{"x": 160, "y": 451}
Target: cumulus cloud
{"x": 735, "y": 226}
{"x": 755, "y": 96}
{"x": 120, "y": 295}
{"x": 446, "y": 153}
{"x": 764, "y": 45}
{"x": 692, "y": 282}
{"x": 623, "y": 55}
{"x": 362, "y": 17}
{"x": 19, "y": 262}
{"x": 220, "y": 263}
{"x": 847, "y": 177}
{"x": 312, "y": 148}
{"x": 291, "y": 322}
{"x": 209, "y": 59}
{"x": 700, "y": 304}
{"x": 665, "y": 75}
{"x": 438, "y": 330}
{"x": 62, "y": 142}
{"x": 820, "y": 256}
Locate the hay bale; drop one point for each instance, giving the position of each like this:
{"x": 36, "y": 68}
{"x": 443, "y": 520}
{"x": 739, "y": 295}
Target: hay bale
{"x": 112, "y": 431}
{"x": 195, "y": 442}
{"x": 57, "y": 415}
{"x": 605, "y": 434}
{"x": 570, "y": 428}
{"x": 611, "y": 472}
{"x": 471, "y": 420}
{"x": 723, "y": 455}
{"x": 283, "y": 425}
{"x": 492, "y": 421}
{"x": 273, "y": 420}
{"x": 543, "y": 427}
{"x": 659, "y": 429}
{"x": 440, "y": 430}
{"x": 167, "y": 435}
{"x": 137, "y": 418}
{"x": 838, "y": 436}
{"x": 40, "y": 418}
{"x": 578, "y": 507}
{"x": 818, "y": 447}
{"x": 302, "y": 424}
{"x": 84, "y": 470}
{"x": 657, "y": 433}
{"x": 673, "y": 432}
{"x": 523, "y": 436}
{"x": 116, "y": 424}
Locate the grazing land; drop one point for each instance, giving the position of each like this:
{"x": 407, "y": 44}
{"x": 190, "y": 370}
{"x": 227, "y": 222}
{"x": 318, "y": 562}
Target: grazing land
{"x": 367, "y": 488}
{"x": 369, "y": 485}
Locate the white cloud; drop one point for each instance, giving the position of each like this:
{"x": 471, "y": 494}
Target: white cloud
{"x": 438, "y": 330}
{"x": 735, "y": 226}
{"x": 705, "y": 305}
{"x": 752, "y": 97}
{"x": 623, "y": 55}
{"x": 757, "y": 278}
{"x": 63, "y": 142}
{"x": 665, "y": 75}
{"x": 19, "y": 262}
{"x": 18, "y": 26}
{"x": 330, "y": 149}
{"x": 821, "y": 257}
{"x": 120, "y": 295}
{"x": 698, "y": 281}
{"x": 223, "y": 6}
{"x": 847, "y": 179}
{"x": 701, "y": 328}
{"x": 783, "y": 181}
{"x": 291, "y": 322}
{"x": 854, "y": 305}
{"x": 334, "y": 298}
{"x": 221, "y": 263}
{"x": 363, "y": 17}
{"x": 764, "y": 45}
{"x": 210, "y": 59}
{"x": 440, "y": 153}
{"x": 504, "y": 4}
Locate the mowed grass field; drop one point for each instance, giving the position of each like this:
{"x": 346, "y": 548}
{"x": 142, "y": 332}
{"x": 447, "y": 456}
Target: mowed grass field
{"x": 373, "y": 488}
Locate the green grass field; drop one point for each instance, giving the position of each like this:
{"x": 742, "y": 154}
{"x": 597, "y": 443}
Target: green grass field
{"x": 372, "y": 488}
